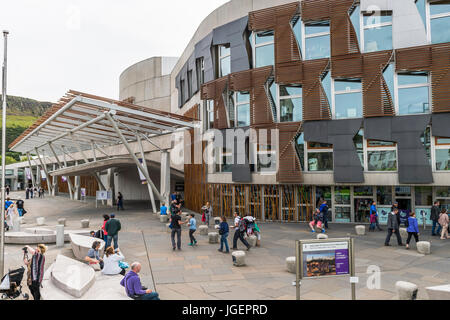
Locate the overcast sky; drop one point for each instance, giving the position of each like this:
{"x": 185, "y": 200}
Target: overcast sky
{"x": 84, "y": 45}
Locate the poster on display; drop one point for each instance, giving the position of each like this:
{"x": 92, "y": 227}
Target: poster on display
{"x": 325, "y": 258}
{"x": 422, "y": 213}
{"x": 103, "y": 195}
{"x": 28, "y": 173}
{"x": 83, "y": 192}
{"x": 141, "y": 175}
{"x": 43, "y": 175}
{"x": 383, "y": 213}
{"x": 404, "y": 215}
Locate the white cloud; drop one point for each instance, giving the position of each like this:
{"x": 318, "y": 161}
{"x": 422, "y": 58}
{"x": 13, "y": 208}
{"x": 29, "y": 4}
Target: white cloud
{"x": 57, "y": 45}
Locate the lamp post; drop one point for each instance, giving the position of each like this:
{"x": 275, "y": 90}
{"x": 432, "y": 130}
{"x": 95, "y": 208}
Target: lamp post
{"x": 2, "y": 235}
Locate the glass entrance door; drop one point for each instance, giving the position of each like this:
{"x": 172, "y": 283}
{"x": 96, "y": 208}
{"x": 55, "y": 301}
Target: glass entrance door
{"x": 362, "y": 209}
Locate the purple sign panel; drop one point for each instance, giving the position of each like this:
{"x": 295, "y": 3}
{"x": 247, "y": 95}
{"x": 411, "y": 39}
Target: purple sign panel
{"x": 325, "y": 259}
{"x": 342, "y": 262}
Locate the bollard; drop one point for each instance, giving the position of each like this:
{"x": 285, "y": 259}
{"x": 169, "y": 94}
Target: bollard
{"x": 406, "y": 290}
{"x": 60, "y": 236}
{"x": 85, "y": 223}
{"x": 62, "y": 221}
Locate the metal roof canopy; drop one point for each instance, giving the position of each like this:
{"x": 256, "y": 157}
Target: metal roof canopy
{"x": 79, "y": 121}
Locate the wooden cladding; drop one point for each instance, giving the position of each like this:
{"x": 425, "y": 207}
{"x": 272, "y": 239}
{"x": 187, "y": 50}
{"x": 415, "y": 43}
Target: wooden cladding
{"x": 315, "y": 101}
{"x": 215, "y": 90}
{"x": 289, "y": 163}
{"x": 416, "y": 59}
{"x": 316, "y": 10}
{"x": 377, "y": 99}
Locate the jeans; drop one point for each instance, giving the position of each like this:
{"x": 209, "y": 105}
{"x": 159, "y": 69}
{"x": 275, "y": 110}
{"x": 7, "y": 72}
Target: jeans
{"x": 172, "y": 236}
{"x": 149, "y": 296}
{"x": 223, "y": 240}
{"x": 377, "y": 224}
{"x": 325, "y": 220}
{"x": 20, "y": 211}
{"x": 116, "y": 241}
{"x": 433, "y": 229}
{"x": 191, "y": 235}
{"x": 397, "y": 234}
{"x": 239, "y": 235}
{"x": 120, "y": 205}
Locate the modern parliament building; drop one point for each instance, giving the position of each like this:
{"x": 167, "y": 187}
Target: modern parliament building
{"x": 342, "y": 100}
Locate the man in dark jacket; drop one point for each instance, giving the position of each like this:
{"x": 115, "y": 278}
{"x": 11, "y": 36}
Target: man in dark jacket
{"x": 393, "y": 227}
{"x": 239, "y": 225}
{"x": 113, "y": 227}
{"x": 435, "y": 217}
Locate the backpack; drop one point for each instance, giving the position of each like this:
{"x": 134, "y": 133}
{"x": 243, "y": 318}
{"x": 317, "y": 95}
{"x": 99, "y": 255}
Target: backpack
{"x": 100, "y": 234}
{"x": 242, "y": 225}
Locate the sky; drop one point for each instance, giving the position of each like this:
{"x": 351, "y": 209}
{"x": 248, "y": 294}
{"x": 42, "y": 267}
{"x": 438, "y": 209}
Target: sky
{"x": 84, "y": 45}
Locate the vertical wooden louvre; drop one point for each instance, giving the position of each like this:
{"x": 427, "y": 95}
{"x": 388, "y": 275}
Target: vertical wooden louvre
{"x": 214, "y": 90}
{"x": 315, "y": 102}
{"x": 255, "y": 201}
{"x": 288, "y": 203}
{"x": 289, "y": 169}
{"x": 272, "y": 203}
{"x": 261, "y": 109}
{"x": 440, "y": 70}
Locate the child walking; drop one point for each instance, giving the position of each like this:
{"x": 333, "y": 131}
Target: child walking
{"x": 192, "y": 228}
{"x": 317, "y": 221}
{"x": 413, "y": 229}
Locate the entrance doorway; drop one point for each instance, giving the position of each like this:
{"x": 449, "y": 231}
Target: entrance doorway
{"x": 404, "y": 208}
{"x": 362, "y": 209}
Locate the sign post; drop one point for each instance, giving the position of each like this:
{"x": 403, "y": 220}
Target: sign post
{"x": 325, "y": 258}
{"x": 102, "y": 195}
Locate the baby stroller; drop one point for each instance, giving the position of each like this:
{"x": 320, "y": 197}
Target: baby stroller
{"x": 10, "y": 287}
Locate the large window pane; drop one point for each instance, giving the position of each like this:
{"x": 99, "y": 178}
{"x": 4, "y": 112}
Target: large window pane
{"x": 438, "y": 8}
{"x": 413, "y": 100}
{"x": 442, "y": 192}
{"x": 382, "y": 160}
{"x": 224, "y": 51}
{"x": 421, "y": 7}
{"x": 407, "y": 79}
{"x": 440, "y": 30}
{"x": 320, "y": 161}
{"x": 424, "y": 196}
{"x": 388, "y": 75}
{"x": 291, "y": 109}
{"x": 297, "y": 27}
{"x": 342, "y": 214}
{"x": 300, "y": 147}
{"x": 443, "y": 159}
{"x": 266, "y": 162}
{"x": 348, "y": 105}
{"x": 264, "y": 37}
{"x": 358, "y": 140}
{"x": 265, "y": 56}
{"x": 402, "y": 191}
{"x": 326, "y": 84}
{"x": 342, "y": 195}
{"x": 319, "y": 27}
{"x": 243, "y": 114}
{"x": 376, "y": 19}
{"x": 243, "y": 97}
{"x": 225, "y": 66}
{"x": 318, "y": 47}
{"x": 347, "y": 85}
{"x": 378, "y": 39}
{"x": 354, "y": 17}
{"x": 290, "y": 91}
{"x": 384, "y": 196}
{"x": 363, "y": 191}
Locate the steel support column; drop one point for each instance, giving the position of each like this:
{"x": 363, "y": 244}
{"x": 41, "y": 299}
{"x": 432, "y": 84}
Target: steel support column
{"x": 144, "y": 164}
{"x": 44, "y": 167}
{"x": 31, "y": 170}
{"x": 69, "y": 183}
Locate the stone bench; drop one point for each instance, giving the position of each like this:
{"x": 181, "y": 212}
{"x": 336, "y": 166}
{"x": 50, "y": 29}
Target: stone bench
{"x": 213, "y": 237}
{"x": 81, "y": 245}
{"x": 85, "y": 223}
{"x": 424, "y": 247}
{"x": 360, "y": 230}
{"x": 203, "y": 230}
{"x": 29, "y": 237}
{"x": 163, "y": 218}
{"x": 238, "y": 258}
{"x": 62, "y": 221}
{"x": 406, "y": 290}
{"x": 322, "y": 236}
{"x": 439, "y": 292}
{"x": 40, "y": 221}
{"x": 403, "y": 232}
{"x": 291, "y": 264}
{"x": 252, "y": 240}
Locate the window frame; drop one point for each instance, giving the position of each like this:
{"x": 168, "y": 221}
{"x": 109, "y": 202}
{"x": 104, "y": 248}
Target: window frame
{"x": 257, "y": 152}
{"x": 222, "y": 58}
{"x": 237, "y": 104}
{"x": 372, "y": 26}
{"x": 209, "y": 110}
{"x": 280, "y": 97}
{"x": 429, "y": 17}
{"x": 368, "y": 149}
{"x": 314, "y": 35}
{"x": 259, "y": 45}
{"x": 398, "y": 87}
{"x": 435, "y": 146}
{"x": 334, "y": 93}
{"x": 309, "y": 150}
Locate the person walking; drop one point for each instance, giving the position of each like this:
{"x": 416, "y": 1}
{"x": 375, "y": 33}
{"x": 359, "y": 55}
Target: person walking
{"x": 133, "y": 286}
{"x": 192, "y": 228}
{"x": 112, "y": 227}
{"x": 20, "y": 206}
{"x": 120, "y": 201}
{"x": 35, "y": 266}
{"x": 413, "y": 229}
{"x": 7, "y": 189}
{"x": 393, "y": 227}
{"x": 317, "y": 221}
{"x": 27, "y": 193}
{"x": 443, "y": 222}
{"x": 105, "y": 233}
{"x": 111, "y": 262}
{"x": 241, "y": 229}
{"x": 207, "y": 211}
{"x": 176, "y": 223}
{"x": 434, "y": 216}
{"x": 374, "y": 211}
{"x": 324, "y": 210}
{"x": 223, "y": 232}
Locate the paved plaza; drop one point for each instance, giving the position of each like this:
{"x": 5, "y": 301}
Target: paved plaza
{"x": 203, "y": 273}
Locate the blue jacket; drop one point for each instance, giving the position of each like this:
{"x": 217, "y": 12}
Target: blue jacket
{"x": 413, "y": 226}
{"x": 323, "y": 208}
{"x": 224, "y": 227}
{"x": 373, "y": 210}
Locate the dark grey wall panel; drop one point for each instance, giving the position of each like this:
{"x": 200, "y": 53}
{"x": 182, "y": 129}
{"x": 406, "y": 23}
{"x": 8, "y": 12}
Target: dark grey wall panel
{"x": 413, "y": 165}
{"x": 233, "y": 33}
{"x": 339, "y": 133}
{"x": 203, "y": 49}
{"x": 441, "y": 124}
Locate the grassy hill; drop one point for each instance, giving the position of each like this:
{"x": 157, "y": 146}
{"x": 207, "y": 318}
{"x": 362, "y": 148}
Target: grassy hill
{"x": 20, "y": 114}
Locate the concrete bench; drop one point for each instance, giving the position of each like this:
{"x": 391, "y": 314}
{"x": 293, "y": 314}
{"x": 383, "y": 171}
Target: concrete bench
{"x": 203, "y": 230}
{"x": 40, "y": 221}
{"x": 81, "y": 245}
{"x": 163, "y": 218}
{"x": 291, "y": 264}
{"x": 29, "y": 237}
{"x": 321, "y": 236}
{"x": 213, "y": 237}
{"x": 403, "y": 232}
{"x": 406, "y": 290}
{"x": 439, "y": 292}
{"x": 238, "y": 258}
{"x": 85, "y": 223}
{"x": 360, "y": 230}
{"x": 424, "y": 247}
{"x": 62, "y": 221}
{"x": 252, "y": 240}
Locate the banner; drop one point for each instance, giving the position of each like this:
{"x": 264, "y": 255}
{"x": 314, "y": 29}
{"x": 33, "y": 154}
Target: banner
{"x": 103, "y": 195}
{"x": 83, "y": 192}
{"x": 64, "y": 179}
{"x": 325, "y": 259}
{"x": 422, "y": 213}
{"x": 43, "y": 175}
{"x": 141, "y": 175}
{"x": 28, "y": 173}
{"x": 383, "y": 214}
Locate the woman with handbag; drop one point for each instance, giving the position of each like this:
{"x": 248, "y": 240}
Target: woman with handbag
{"x": 35, "y": 266}
{"x": 223, "y": 232}
{"x": 113, "y": 262}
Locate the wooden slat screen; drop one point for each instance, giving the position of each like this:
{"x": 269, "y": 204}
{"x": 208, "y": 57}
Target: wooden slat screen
{"x": 289, "y": 169}
{"x": 441, "y": 77}
{"x": 315, "y": 102}
{"x": 343, "y": 35}
{"x": 271, "y": 202}
{"x": 260, "y": 109}
{"x": 288, "y": 203}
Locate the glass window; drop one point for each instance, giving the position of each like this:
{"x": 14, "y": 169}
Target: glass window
{"x": 320, "y": 161}
{"x": 440, "y": 22}
{"x": 442, "y": 192}
{"x": 342, "y": 214}
{"x": 291, "y": 103}
{"x": 388, "y": 75}
{"x": 426, "y": 141}
{"x": 243, "y": 115}
{"x": 354, "y": 18}
{"x": 210, "y": 114}
{"x": 264, "y": 37}
{"x": 318, "y": 145}
{"x": 317, "y": 40}
{"x": 342, "y": 195}
{"x": 363, "y": 191}
{"x": 402, "y": 191}
{"x": 377, "y": 143}
{"x": 200, "y": 69}
{"x": 297, "y": 28}
{"x": 224, "y": 60}
{"x": 442, "y": 159}
{"x": 300, "y": 147}
{"x": 225, "y": 160}
{"x": 424, "y": 196}
{"x": 382, "y": 160}
{"x": 264, "y": 49}
{"x": 421, "y": 7}
{"x": 326, "y": 84}
{"x": 377, "y": 32}
{"x": 413, "y": 93}
{"x": 266, "y": 159}
{"x": 358, "y": 140}
{"x": 348, "y": 99}
{"x": 384, "y": 196}
{"x": 323, "y": 193}
{"x": 442, "y": 141}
